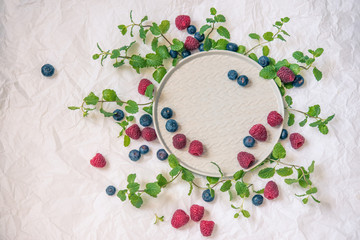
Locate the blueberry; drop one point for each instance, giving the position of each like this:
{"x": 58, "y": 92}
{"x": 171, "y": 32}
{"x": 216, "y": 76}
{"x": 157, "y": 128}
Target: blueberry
{"x": 232, "y": 75}
{"x": 118, "y": 115}
{"x": 232, "y": 47}
{"x": 206, "y": 195}
{"x": 47, "y": 70}
{"x": 201, "y": 47}
{"x": 171, "y": 125}
{"x": 134, "y": 155}
{"x": 166, "y": 113}
{"x": 243, "y": 80}
{"x": 145, "y": 120}
{"x": 299, "y": 81}
{"x": 249, "y": 141}
{"x": 284, "y": 134}
{"x": 162, "y": 154}
{"x": 257, "y": 200}
{"x": 199, "y": 37}
{"x": 264, "y": 61}
{"x": 173, "y": 53}
{"x": 185, "y": 53}
{"x": 110, "y": 190}
{"x": 191, "y": 29}
{"x": 143, "y": 149}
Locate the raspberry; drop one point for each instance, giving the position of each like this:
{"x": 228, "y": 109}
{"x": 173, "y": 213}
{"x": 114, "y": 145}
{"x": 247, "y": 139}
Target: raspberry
{"x": 274, "y": 119}
{"x": 196, "y": 212}
{"x": 296, "y": 140}
{"x": 271, "y": 190}
{"x": 182, "y": 22}
{"x": 179, "y": 218}
{"x": 245, "y": 159}
{"x": 98, "y": 161}
{"x": 149, "y": 134}
{"x": 196, "y": 148}
{"x": 206, "y": 228}
{"x": 144, "y": 83}
{"x": 179, "y": 141}
{"x": 191, "y": 43}
{"x": 258, "y": 131}
{"x": 285, "y": 74}
{"x": 133, "y": 131}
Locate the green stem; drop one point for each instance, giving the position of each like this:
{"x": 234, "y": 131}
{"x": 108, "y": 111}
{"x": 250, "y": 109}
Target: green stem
{"x": 306, "y": 114}
{"x": 140, "y": 104}
{"x": 279, "y": 29}
{"x": 212, "y": 29}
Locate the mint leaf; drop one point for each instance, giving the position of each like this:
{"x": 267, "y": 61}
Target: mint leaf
{"x": 154, "y": 44}
{"x": 241, "y": 49}
{"x": 175, "y": 61}
{"x": 285, "y": 19}
{"x": 175, "y": 170}
{"x": 278, "y": 82}
{"x": 315, "y": 199}
{"x": 153, "y": 60}
{"x": 137, "y": 61}
{"x": 159, "y": 74}
{"x": 279, "y": 36}
{"x": 290, "y": 181}
{"x": 133, "y": 187}
{"x": 126, "y": 140}
{"x": 288, "y": 100}
{"x": 222, "y": 31}
{"x": 119, "y": 64}
{"x": 163, "y": 52}
{"x": 291, "y": 119}
{"x": 123, "y": 124}
{"x": 177, "y": 45}
{"x": 212, "y": 180}
{"x": 288, "y": 85}
{"x": 236, "y": 215}
{"x": 73, "y": 108}
{"x": 220, "y": 18}
{"x": 106, "y": 114}
{"x": 226, "y": 186}
{"x": 153, "y": 189}
{"x": 268, "y": 72}
{"x": 259, "y": 191}
{"x": 239, "y": 174}
{"x": 115, "y": 53}
{"x": 187, "y": 175}
{"x": 315, "y": 124}
{"x": 132, "y": 107}
{"x": 242, "y": 190}
{"x": 149, "y": 91}
{"x": 298, "y": 56}
{"x": 148, "y": 110}
{"x": 135, "y": 200}
{"x": 317, "y": 74}
{"x": 305, "y": 200}
{"x": 303, "y": 122}
{"x": 318, "y": 52}
{"x": 253, "y": 57}
{"x": 123, "y": 29}
{"x": 130, "y": 118}
{"x": 284, "y": 172}
{"x": 311, "y": 167}
{"x": 173, "y": 162}
{"x": 254, "y": 36}
{"x": 295, "y": 68}
{"x": 314, "y": 111}
{"x": 245, "y": 213}
{"x": 213, "y": 11}
{"x": 285, "y": 33}
{"x": 122, "y": 194}
{"x": 311, "y": 190}
{"x": 161, "y": 180}
{"x": 323, "y": 129}
{"x": 204, "y": 28}
{"x": 282, "y": 90}
{"x": 281, "y": 63}
{"x": 155, "y": 30}
{"x": 327, "y": 120}
{"x": 221, "y": 44}
{"x": 91, "y": 99}
{"x": 207, "y": 44}
{"x": 131, "y": 178}
{"x": 164, "y": 26}
{"x": 268, "y": 36}
{"x": 266, "y": 173}
{"x": 265, "y": 50}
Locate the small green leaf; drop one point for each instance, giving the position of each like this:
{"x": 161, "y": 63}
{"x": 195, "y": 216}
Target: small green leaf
{"x": 278, "y": 82}
{"x": 230, "y": 195}
{"x": 187, "y": 175}
{"x": 279, "y": 36}
{"x": 163, "y": 52}
{"x": 268, "y": 72}
{"x": 137, "y": 61}
{"x": 207, "y": 44}
{"x": 288, "y": 100}
{"x": 268, "y": 36}
{"x": 135, "y": 200}
{"x": 239, "y": 174}
{"x": 95, "y": 56}
{"x": 153, "y": 189}
{"x": 282, "y": 63}
{"x": 222, "y": 31}
{"x": 295, "y": 68}
{"x": 323, "y": 129}
{"x": 285, "y": 19}
{"x": 254, "y": 36}
{"x": 130, "y": 118}
{"x": 133, "y": 187}
{"x": 318, "y": 52}
{"x": 131, "y": 178}
{"x": 298, "y": 56}
{"x": 265, "y": 50}
{"x": 106, "y": 114}
{"x": 282, "y": 90}
{"x": 236, "y": 215}
{"x": 315, "y": 199}
{"x": 314, "y": 111}
{"x": 245, "y": 213}
{"x": 204, "y": 28}
{"x": 288, "y": 85}
{"x": 126, "y": 140}
{"x": 303, "y": 183}
{"x": 175, "y": 61}
{"x": 175, "y": 170}
{"x": 191, "y": 188}
{"x": 155, "y": 30}
{"x": 123, "y": 124}
{"x": 311, "y": 167}
{"x": 253, "y": 57}
{"x": 213, "y": 11}
{"x": 119, "y": 64}
{"x": 279, "y": 151}
{"x": 149, "y": 91}
{"x": 226, "y": 186}
{"x": 291, "y": 181}
{"x": 309, "y": 61}
{"x": 210, "y": 20}
{"x": 291, "y": 119}
{"x": 161, "y": 180}
{"x": 305, "y": 200}
{"x": 221, "y": 44}
{"x": 317, "y": 74}
{"x": 144, "y": 19}
{"x": 159, "y": 74}
{"x": 278, "y": 23}
{"x": 219, "y": 169}
{"x": 220, "y": 18}
{"x": 267, "y": 172}
{"x": 311, "y": 190}
{"x": 259, "y": 191}
{"x": 212, "y": 192}
{"x": 242, "y": 190}
{"x": 122, "y": 194}
{"x": 315, "y": 124}
{"x": 91, "y": 99}
{"x": 212, "y": 180}
{"x": 327, "y": 120}
{"x": 132, "y": 107}
{"x": 115, "y": 53}
{"x": 148, "y": 110}
{"x": 73, "y": 108}
{"x": 303, "y": 122}
{"x": 284, "y": 172}
{"x": 241, "y": 49}
{"x": 285, "y": 33}
{"x": 173, "y": 162}
{"x": 177, "y": 45}
{"x": 153, "y": 60}
{"x": 154, "y": 44}
{"x": 164, "y": 26}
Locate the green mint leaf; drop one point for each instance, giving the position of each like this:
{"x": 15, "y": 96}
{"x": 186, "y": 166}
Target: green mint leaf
{"x": 303, "y": 183}
{"x": 279, "y": 36}
{"x": 239, "y": 174}
{"x": 282, "y": 90}
{"x": 161, "y": 180}
{"x": 144, "y": 19}
{"x": 221, "y": 44}
{"x": 298, "y": 56}
{"x": 268, "y": 72}
{"x": 123, "y": 29}
{"x": 241, "y": 49}
{"x": 291, "y": 119}
{"x": 163, "y": 52}
{"x": 311, "y": 167}
{"x": 305, "y": 200}
{"x": 106, "y": 114}
{"x": 159, "y": 74}
{"x": 153, "y": 189}
{"x": 142, "y": 33}
{"x": 123, "y": 124}
{"x": 213, "y": 11}
{"x": 173, "y": 162}
{"x": 311, "y": 51}
{"x": 126, "y": 140}
{"x": 210, "y": 20}
{"x": 175, "y": 170}
{"x": 204, "y": 28}
{"x": 95, "y": 56}
{"x": 212, "y": 180}
{"x": 328, "y": 119}
{"x": 266, "y": 173}
{"x": 242, "y": 190}
{"x": 226, "y": 186}
{"x": 253, "y": 57}
{"x": 236, "y": 215}
{"x": 278, "y": 82}
{"x": 91, "y": 99}
{"x": 131, "y": 178}
{"x": 148, "y": 110}
{"x": 154, "y": 44}
{"x": 135, "y": 200}
{"x": 323, "y": 129}
{"x": 122, "y": 194}
{"x": 155, "y": 30}
{"x": 315, "y": 124}
{"x": 288, "y": 100}
{"x": 288, "y": 85}
{"x": 164, "y": 26}
{"x": 285, "y": 33}
{"x": 311, "y": 190}
{"x": 315, "y": 199}
{"x": 115, "y": 54}
{"x": 175, "y": 61}
{"x": 137, "y": 62}
{"x": 207, "y": 44}
{"x": 219, "y": 169}
{"x": 98, "y": 46}
{"x": 302, "y": 195}
{"x": 153, "y": 60}
{"x": 318, "y": 52}
{"x": 130, "y": 118}
{"x": 149, "y": 91}
{"x": 230, "y": 195}
{"x": 245, "y": 213}
{"x": 284, "y": 172}
{"x": 254, "y": 36}
{"x": 265, "y": 50}
{"x": 73, "y": 108}
{"x": 310, "y": 61}
{"x": 119, "y": 64}
{"x": 212, "y": 192}
{"x": 281, "y": 63}
{"x": 220, "y": 18}
{"x": 272, "y": 61}
{"x": 268, "y": 36}
{"x": 177, "y": 45}
{"x": 303, "y": 122}
{"x": 317, "y": 74}
{"x": 285, "y": 19}
{"x": 191, "y": 188}
{"x": 234, "y": 207}
{"x": 133, "y": 187}
{"x": 277, "y": 23}
{"x": 295, "y": 68}
{"x": 260, "y": 191}
{"x": 132, "y": 107}
{"x": 314, "y": 111}
{"x": 187, "y": 175}
{"x": 290, "y": 181}
{"x": 131, "y": 18}
{"x": 222, "y": 31}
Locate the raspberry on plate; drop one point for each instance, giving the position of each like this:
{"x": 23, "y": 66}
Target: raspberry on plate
{"x": 258, "y": 131}
{"x": 179, "y": 141}
{"x": 196, "y": 148}
{"x": 274, "y": 119}
{"x": 245, "y": 159}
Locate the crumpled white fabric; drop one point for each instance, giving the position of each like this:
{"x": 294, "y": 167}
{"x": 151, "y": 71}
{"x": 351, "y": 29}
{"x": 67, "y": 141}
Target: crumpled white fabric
{"x": 48, "y": 190}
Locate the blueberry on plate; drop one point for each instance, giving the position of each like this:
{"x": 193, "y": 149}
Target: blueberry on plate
{"x": 206, "y": 195}
{"x": 264, "y": 61}
{"x": 284, "y": 134}
{"x": 145, "y": 120}
{"x": 144, "y": 149}
{"x": 298, "y": 81}
{"x": 110, "y": 190}
{"x": 47, "y": 70}
{"x": 173, "y": 53}
{"x": 243, "y": 80}
{"x": 232, "y": 47}
{"x": 171, "y": 125}
{"x": 185, "y": 53}
{"x": 134, "y": 155}
{"x": 249, "y": 141}
{"x": 118, "y": 115}
{"x": 257, "y": 200}
{"x": 162, "y": 154}
{"x": 166, "y": 112}
{"x": 191, "y": 29}
{"x": 199, "y": 37}
{"x": 232, "y": 75}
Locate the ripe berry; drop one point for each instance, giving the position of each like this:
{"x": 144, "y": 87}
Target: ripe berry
{"x": 232, "y": 75}
{"x": 243, "y": 80}
{"x": 98, "y": 161}
{"x": 145, "y": 120}
{"x": 274, "y": 119}
{"x": 249, "y": 141}
{"x": 118, "y": 115}
{"x": 134, "y": 155}
{"x": 285, "y": 74}
{"x": 182, "y": 22}
{"x": 196, "y": 148}
{"x": 201, "y": 47}
{"x": 173, "y": 54}
{"x": 296, "y": 140}
{"x": 271, "y": 190}
{"x": 191, "y": 43}
{"x": 47, "y": 70}
{"x": 110, "y": 190}
{"x": 206, "y": 195}
{"x": 284, "y": 134}
{"x": 264, "y": 61}
{"x": 179, "y": 141}
{"x": 133, "y": 132}
{"x": 143, "y": 84}
{"x": 166, "y": 113}
{"x": 179, "y": 218}
{"x": 171, "y": 125}
{"x": 206, "y": 228}
{"x": 199, "y": 37}
{"x": 299, "y": 81}
{"x": 232, "y": 47}
{"x": 162, "y": 154}
{"x": 258, "y": 131}
{"x": 148, "y": 134}
{"x": 191, "y": 29}
{"x": 245, "y": 159}
{"x": 196, "y": 212}
{"x": 143, "y": 149}
{"x": 185, "y": 53}
{"x": 257, "y": 200}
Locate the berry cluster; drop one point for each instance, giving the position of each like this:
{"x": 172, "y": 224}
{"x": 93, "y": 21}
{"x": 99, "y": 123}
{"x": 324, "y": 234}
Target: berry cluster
{"x": 242, "y": 80}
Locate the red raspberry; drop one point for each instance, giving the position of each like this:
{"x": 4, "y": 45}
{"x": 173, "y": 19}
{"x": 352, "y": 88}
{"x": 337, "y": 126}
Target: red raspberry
{"x": 196, "y": 212}
{"x": 271, "y": 190}
{"x": 179, "y": 141}
{"x": 296, "y": 140}
{"x": 191, "y": 43}
{"x": 182, "y": 22}
{"x": 133, "y": 131}
{"x": 245, "y": 159}
{"x": 274, "y": 119}
{"x": 149, "y": 134}
{"x": 196, "y": 148}
{"x": 258, "y": 131}
{"x": 179, "y": 218}
{"x": 144, "y": 83}
{"x": 206, "y": 228}
{"x": 286, "y": 75}
{"x": 98, "y": 161}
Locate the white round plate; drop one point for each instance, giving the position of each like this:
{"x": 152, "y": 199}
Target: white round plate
{"x": 217, "y": 111}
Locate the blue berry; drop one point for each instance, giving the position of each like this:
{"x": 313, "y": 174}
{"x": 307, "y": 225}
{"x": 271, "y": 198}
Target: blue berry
{"x": 134, "y": 155}
{"x": 173, "y": 53}
{"x": 166, "y": 113}
{"x": 191, "y": 29}
{"x": 171, "y": 125}
{"x": 143, "y": 149}
{"x": 298, "y": 81}
{"x": 185, "y": 53}
{"x": 284, "y": 134}
{"x": 201, "y": 47}
{"x": 232, "y": 75}
{"x": 249, "y": 141}
{"x": 257, "y": 200}
{"x": 232, "y": 47}
{"x": 199, "y": 37}
{"x": 145, "y": 120}
{"x": 243, "y": 80}
{"x": 118, "y": 115}
{"x": 206, "y": 195}
{"x": 264, "y": 61}
{"x": 162, "y": 154}
{"x": 110, "y": 190}
{"x": 47, "y": 70}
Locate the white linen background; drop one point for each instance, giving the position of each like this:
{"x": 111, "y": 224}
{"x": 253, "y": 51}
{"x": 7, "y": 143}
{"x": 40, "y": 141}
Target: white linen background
{"x": 48, "y": 189}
